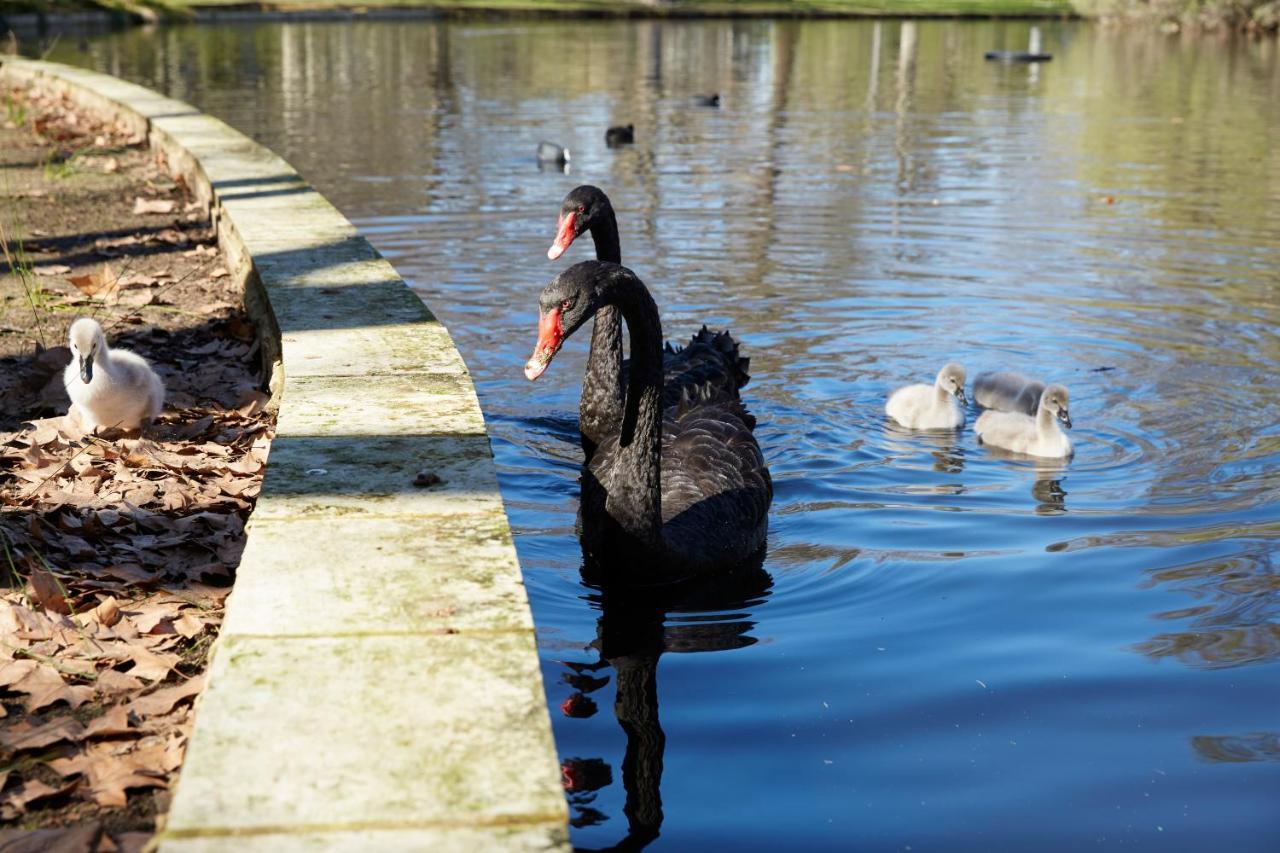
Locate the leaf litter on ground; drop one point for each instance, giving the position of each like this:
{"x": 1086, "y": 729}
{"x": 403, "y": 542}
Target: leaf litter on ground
{"x": 117, "y": 550}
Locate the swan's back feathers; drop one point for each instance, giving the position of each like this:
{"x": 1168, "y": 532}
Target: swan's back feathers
{"x": 920, "y": 407}
{"x": 693, "y": 396}
{"x": 1006, "y": 391}
{"x": 713, "y": 355}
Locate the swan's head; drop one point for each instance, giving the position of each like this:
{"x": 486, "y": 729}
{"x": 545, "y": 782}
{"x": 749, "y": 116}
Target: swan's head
{"x": 87, "y": 341}
{"x": 951, "y": 380}
{"x": 580, "y": 210}
{"x": 1055, "y": 399}
{"x": 563, "y": 306}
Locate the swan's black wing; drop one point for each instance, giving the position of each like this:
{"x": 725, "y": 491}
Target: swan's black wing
{"x": 716, "y": 488}
{"x": 709, "y": 366}
{"x": 716, "y": 492}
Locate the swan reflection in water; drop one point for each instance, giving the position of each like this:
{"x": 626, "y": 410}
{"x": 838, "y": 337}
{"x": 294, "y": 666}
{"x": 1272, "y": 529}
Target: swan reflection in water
{"x": 635, "y": 628}
{"x": 944, "y": 447}
{"x": 1046, "y": 488}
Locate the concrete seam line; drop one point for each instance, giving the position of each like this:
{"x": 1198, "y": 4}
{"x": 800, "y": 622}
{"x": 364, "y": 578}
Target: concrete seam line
{"x": 360, "y": 635}
{"x": 514, "y": 821}
{"x": 251, "y": 768}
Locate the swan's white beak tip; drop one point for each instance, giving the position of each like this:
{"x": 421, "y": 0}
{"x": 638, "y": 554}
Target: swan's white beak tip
{"x": 555, "y": 251}
{"x": 534, "y": 368}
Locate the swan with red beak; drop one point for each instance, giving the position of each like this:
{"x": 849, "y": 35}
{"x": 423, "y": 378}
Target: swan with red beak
{"x": 680, "y": 488}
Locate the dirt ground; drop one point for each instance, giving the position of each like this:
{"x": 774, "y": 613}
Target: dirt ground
{"x": 117, "y": 550}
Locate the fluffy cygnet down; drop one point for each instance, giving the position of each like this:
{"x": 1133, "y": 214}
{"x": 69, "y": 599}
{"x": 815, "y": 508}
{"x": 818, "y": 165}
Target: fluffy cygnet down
{"x": 1035, "y": 436}
{"x": 109, "y": 388}
{"x": 936, "y": 406}
{"x": 1007, "y": 392}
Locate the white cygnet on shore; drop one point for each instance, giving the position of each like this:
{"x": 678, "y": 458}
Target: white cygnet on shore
{"x": 1035, "y": 436}
{"x": 936, "y": 406}
{"x": 109, "y": 388}
{"x": 1007, "y": 392}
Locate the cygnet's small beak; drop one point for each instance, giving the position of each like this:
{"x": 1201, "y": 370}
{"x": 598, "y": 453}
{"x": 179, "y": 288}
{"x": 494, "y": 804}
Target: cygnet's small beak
{"x": 1065, "y": 417}
{"x": 86, "y": 368}
{"x": 964, "y": 401}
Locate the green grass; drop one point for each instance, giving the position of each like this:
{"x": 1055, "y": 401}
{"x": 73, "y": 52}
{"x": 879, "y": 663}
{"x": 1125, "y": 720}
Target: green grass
{"x": 60, "y": 165}
{"x": 15, "y": 112}
{"x": 939, "y": 8}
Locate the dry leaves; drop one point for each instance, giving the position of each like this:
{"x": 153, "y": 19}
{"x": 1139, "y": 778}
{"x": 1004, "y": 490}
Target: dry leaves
{"x": 117, "y": 551}
{"x": 125, "y": 547}
{"x": 154, "y": 205}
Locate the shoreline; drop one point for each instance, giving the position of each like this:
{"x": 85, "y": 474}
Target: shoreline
{"x": 25, "y": 24}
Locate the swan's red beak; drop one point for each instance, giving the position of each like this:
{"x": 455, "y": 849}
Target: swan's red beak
{"x": 564, "y": 235}
{"x": 550, "y": 337}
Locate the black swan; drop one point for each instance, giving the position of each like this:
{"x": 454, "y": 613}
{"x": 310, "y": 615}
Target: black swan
{"x": 709, "y": 364}
{"x": 707, "y": 100}
{"x": 677, "y": 491}
{"x": 620, "y": 135}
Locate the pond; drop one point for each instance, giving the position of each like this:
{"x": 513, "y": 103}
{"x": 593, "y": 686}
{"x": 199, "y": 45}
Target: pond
{"x": 943, "y": 648}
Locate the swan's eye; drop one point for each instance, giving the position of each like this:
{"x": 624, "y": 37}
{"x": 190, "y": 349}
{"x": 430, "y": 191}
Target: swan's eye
{"x": 582, "y": 208}
{"x": 566, "y": 305}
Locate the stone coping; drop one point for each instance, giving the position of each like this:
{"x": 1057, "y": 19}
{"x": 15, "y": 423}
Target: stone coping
{"x": 376, "y": 682}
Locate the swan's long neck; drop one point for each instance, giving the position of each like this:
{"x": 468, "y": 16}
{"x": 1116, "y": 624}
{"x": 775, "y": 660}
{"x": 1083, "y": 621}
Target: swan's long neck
{"x": 941, "y": 396}
{"x": 603, "y": 380}
{"x": 604, "y": 231}
{"x": 637, "y": 712}
{"x": 1046, "y": 423}
{"x": 631, "y": 638}
{"x": 635, "y": 501}
{"x": 102, "y": 357}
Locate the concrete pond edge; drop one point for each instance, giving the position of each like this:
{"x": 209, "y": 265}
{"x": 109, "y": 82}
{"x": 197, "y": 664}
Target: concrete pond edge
{"x": 376, "y": 683}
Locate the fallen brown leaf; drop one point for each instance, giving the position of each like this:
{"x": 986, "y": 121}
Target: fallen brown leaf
{"x": 30, "y": 792}
{"x": 42, "y": 684}
{"x": 100, "y": 284}
{"x": 48, "y": 592}
{"x": 153, "y": 205}
{"x": 114, "y": 722}
{"x": 163, "y": 700}
{"x": 112, "y": 768}
{"x": 26, "y": 736}
{"x": 112, "y": 683}
{"x": 151, "y": 666}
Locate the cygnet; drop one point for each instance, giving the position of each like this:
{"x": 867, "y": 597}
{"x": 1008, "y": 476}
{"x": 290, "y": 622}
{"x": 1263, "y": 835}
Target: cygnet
{"x": 1005, "y": 391}
{"x": 109, "y": 388}
{"x": 1035, "y": 436}
{"x": 936, "y": 406}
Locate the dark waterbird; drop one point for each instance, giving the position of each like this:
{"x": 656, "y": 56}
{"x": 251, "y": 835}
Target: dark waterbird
{"x": 707, "y": 100}
{"x": 677, "y": 491}
{"x": 708, "y": 365}
{"x": 1031, "y": 54}
{"x": 1011, "y": 56}
{"x": 550, "y": 154}
{"x": 620, "y": 135}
